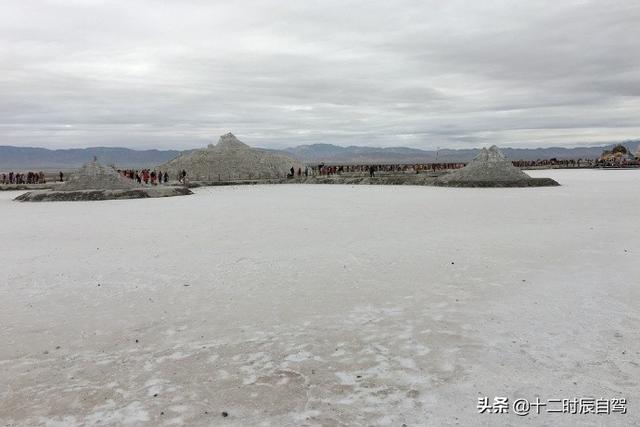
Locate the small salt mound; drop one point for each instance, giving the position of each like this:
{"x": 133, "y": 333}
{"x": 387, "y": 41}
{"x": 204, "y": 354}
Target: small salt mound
{"x": 94, "y": 176}
{"x": 491, "y": 168}
{"x": 231, "y": 159}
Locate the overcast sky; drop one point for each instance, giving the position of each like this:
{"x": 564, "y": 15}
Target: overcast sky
{"x": 417, "y": 73}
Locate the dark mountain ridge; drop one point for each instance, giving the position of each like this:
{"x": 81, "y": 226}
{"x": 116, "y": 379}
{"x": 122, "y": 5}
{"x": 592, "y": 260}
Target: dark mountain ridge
{"x": 42, "y": 158}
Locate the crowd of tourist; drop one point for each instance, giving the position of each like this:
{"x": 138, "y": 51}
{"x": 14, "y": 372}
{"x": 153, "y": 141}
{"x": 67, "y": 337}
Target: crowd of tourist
{"x": 146, "y": 176}
{"x": 292, "y": 172}
{"x": 563, "y": 163}
{"x": 328, "y": 170}
{"x": 152, "y": 177}
{"x": 23, "y": 178}
{"x": 385, "y": 168}
{"x": 616, "y": 163}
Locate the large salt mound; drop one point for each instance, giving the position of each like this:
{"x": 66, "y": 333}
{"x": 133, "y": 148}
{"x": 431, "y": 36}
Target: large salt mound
{"x": 231, "y": 159}
{"x": 491, "y": 168}
{"x": 94, "y": 176}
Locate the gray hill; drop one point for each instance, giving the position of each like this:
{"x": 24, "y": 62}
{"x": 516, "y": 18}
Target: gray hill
{"x": 42, "y": 158}
{"x": 489, "y": 165}
{"x": 490, "y": 168}
{"x": 94, "y": 176}
{"x": 231, "y": 159}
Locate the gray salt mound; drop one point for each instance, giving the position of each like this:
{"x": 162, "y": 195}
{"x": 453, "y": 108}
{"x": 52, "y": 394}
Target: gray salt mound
{"x": 231, "y": 159}
{"x": 94, "y": 176}
{"x": 491, "y": 168}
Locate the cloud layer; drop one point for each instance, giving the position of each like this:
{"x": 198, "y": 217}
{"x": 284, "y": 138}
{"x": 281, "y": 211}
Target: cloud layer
{"x": 425, "y": 74}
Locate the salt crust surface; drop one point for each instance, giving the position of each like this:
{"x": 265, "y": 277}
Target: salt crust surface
{"x": 321, "y": 305}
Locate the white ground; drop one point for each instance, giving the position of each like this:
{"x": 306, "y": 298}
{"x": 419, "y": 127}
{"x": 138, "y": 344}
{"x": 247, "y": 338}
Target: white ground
{"x": 322, "y": 305}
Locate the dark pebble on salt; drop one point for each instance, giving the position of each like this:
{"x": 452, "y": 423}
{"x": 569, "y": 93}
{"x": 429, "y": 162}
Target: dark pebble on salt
{"x": 225, "y": 414}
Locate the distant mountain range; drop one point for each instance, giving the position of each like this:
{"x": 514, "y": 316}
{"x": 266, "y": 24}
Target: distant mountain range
{"x": 42, "y": 158}
{"x": 328, "y": 153}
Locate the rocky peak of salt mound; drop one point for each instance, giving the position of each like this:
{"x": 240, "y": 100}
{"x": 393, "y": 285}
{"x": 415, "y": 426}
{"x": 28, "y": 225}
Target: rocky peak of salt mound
{"x": 228, "y": 141}
{"x": 491, "y": 154}
{"x": 95, "y": 176}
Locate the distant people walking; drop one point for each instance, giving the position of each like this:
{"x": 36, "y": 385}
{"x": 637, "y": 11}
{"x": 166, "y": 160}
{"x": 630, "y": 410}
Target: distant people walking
{"x": 61, "y": 177}
{"x": 23, "y": 178}
{"x": 372, "y": 171}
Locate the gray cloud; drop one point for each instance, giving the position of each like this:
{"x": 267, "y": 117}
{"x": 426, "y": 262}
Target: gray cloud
{"x": 176, "y": 74}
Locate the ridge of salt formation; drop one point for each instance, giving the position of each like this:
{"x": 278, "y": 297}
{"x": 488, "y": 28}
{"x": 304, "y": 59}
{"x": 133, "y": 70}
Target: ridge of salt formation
{"x": 231, "y": 158}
